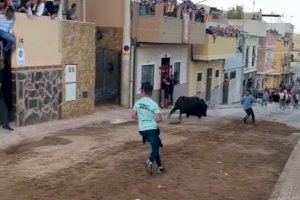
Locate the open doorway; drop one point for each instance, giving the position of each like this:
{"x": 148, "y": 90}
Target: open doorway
{"x": 165, "y": 72}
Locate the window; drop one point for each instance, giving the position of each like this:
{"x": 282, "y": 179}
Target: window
{"x": 232, "y": 75}
{"x": 217, "y": 73}
{"x": 199, "y": 77}
{"x": 247, "y": 57}
{"x": 147, "y": 75}
{"x": 253, "y": 56}
{"x": 177, "y": 72}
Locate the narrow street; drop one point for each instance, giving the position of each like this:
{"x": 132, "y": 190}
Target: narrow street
{"x": 213, "y": 158}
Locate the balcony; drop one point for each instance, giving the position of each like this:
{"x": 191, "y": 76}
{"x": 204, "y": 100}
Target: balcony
{"x": 39, "y": 38}
{"x": 158, "y": 28}
{"x": 215, "y": 49}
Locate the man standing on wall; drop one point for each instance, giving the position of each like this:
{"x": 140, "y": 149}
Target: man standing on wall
{"x": 148, "y": 114}
{"x": 3, "y": 108}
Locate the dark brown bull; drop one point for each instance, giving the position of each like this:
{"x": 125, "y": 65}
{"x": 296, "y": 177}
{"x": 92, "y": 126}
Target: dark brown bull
{"x": 190, "y": 106}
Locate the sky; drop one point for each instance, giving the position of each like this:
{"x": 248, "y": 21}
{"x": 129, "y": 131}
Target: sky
{"x": 289, "y": 8}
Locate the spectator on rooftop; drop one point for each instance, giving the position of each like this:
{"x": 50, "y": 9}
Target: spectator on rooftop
{"x": 40, "y": 9}
{"x": 15, "y": 4}
{"x": 71, "y": 13}
{"x": 52, "y": 8}
{"x": 6, "y": 29}
{"x": 3, "y": 5}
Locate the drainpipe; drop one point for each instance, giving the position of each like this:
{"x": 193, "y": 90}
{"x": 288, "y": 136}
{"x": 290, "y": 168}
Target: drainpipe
{"x": 126, "y": 62}
{"x": 84, "y": 10}
{"x": 132, "y": 75}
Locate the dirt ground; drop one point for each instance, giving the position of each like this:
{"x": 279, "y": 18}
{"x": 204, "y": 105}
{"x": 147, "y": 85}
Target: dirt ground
{"x": 205, "y": 159}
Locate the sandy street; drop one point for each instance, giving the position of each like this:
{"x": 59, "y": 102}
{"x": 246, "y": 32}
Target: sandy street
{"x": 210, "y": 159}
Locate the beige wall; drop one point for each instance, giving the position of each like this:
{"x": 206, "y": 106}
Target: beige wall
{"x": 221, "y": 48}
{"x": 40, "y": 38}
{"x": 78, "y": 48}
{"x": 201, "y": 67}
{"x": 105, "y": 13}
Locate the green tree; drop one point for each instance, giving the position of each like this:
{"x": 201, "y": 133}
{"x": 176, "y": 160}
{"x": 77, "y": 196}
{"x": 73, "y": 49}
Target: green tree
{"x": 235, "y": 13}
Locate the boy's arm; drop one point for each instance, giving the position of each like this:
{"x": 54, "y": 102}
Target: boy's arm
{"x": 158, "y": 116}
{"x": 134, "y": 114}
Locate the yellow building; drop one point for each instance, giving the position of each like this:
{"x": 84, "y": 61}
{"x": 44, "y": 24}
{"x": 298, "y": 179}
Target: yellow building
{"x": 280, "y": 63}
{"x": 206, "y": 68}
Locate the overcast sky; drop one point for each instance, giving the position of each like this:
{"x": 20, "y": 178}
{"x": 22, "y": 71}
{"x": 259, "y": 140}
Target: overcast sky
{"x": 286, "y": 7}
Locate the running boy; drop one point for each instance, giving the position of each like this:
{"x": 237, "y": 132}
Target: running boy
{"x": 148, "y": 114}
{"x": 247, "y": 102}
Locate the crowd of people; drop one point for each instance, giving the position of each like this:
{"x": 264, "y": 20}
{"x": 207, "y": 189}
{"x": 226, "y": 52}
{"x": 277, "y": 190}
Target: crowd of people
{"x": 37, "y": 8}
{"x": 286, "y": 96}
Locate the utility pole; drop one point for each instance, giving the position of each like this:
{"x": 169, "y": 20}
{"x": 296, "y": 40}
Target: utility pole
{"x": 126, "y": 65}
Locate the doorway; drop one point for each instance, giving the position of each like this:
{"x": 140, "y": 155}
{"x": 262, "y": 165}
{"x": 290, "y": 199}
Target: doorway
{"x": 165, "y": 70}
{"x": 225, "y": 89}
{"x": 208, "y": 84}
{"x": 108, "y": 76}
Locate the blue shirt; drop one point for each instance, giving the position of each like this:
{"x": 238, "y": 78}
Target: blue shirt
{"x": 6, "y": 25}
{"x": 248, "y": 101}
{"x": 147, "y": 109}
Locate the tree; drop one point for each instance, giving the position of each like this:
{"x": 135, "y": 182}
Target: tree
{"x": 235, "y": 13}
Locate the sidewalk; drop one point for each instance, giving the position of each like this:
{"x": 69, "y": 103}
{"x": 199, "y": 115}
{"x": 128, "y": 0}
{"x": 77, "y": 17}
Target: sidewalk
{"x": 111, "y": 114}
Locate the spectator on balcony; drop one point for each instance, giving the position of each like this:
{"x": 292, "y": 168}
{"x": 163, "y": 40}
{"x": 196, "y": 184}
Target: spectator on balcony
{"x": 52, "y": 8}
{"x": 40, "y": 8}
{"x": 3, "y": 5}
{"x": 6, "y": 29}
{"x": 71, "y": 13}
{"x": 143, "y": 8}
{"x": 15, "y": 4}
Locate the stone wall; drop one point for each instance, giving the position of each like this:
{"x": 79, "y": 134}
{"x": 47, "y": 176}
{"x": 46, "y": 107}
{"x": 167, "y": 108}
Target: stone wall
{"x": 38, "y": 94}
{"x": 78, "y": 48}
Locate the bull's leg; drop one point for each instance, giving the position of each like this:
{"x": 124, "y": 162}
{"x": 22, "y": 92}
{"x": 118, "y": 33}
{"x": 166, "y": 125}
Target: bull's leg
{"x": 187, "y": 115}
{"x": 180, "y": 115}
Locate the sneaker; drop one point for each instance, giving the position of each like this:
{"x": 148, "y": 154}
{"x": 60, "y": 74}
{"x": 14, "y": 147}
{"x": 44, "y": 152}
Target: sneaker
{"x": 160, "y": 170}
{"x": 149, "y": 167}
{"x": 7, "y": 127}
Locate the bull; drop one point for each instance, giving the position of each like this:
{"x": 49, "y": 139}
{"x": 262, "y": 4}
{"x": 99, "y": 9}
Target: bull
{"x": 190, "y": 106}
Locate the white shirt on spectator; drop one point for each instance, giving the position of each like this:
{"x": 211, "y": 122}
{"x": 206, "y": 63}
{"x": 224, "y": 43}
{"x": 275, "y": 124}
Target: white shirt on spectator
{"x": 6, "y": 24}
{"x": 40, "y": 9}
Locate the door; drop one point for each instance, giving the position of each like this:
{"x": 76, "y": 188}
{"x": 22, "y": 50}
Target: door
{"x": 107, "y": 84}
{"x": 208, "y": 84}
{"x": 225, "y": 89}
{"x": 165, "y": 70}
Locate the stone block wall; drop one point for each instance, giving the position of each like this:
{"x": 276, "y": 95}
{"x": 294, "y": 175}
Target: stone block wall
{"x": 78, "y": 48}
{"x": 38, "y": 95}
